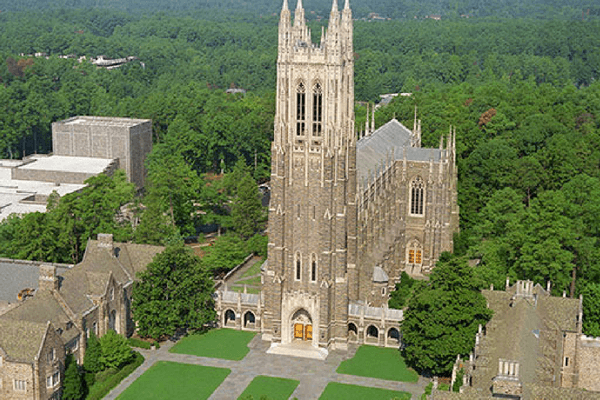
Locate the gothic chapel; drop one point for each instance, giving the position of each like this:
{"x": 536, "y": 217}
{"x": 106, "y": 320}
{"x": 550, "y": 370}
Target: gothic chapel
{"x": 348, "y": 213}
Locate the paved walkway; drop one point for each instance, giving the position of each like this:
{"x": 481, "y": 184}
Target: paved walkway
{"x": 313, "y": 375}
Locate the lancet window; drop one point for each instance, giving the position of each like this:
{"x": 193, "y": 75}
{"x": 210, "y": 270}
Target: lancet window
{"x": 313, "y": 268}
{"x": 317, "y": 110}
{"x": 417, "y": 192}
{"x": 298, "y": 266}
{"x": 301, "y": 110}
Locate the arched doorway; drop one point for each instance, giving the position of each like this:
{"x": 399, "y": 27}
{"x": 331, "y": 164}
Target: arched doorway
{"x": 372, "y": 334}
{"x": 229, "y": 318}
{"x": 393, "y": 337}
{"x": 249, "y": 320}
{"x": 352, "y": 332}
{"x": 302, "y": 326}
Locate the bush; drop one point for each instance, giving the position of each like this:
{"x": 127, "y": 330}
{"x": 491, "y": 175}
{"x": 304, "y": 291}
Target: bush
{"x": 459, "y": 380}
{"x": 135, "y": 342}
{"x": 104, "y": 375}
{"x": 443, "y": 387}
{"x": 100, "y": 389}
{"x": 427, "y": 391}
{"x": 115, "y": 350}
{"x": 404, "y": 290}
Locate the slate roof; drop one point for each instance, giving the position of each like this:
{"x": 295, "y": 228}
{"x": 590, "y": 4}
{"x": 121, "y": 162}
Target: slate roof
{"x": 17, "y": 275}
{"x": 41, "y": 308}
{"x": 21, "y": 340}
{"x": 391, "y": 138}
{"x": 246, "y": 298}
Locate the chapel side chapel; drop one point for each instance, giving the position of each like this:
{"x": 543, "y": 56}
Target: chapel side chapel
{"x": 348, "y": 213}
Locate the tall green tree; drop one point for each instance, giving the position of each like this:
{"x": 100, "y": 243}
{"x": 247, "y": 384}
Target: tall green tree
{"x": 73, "y": 386}
{"x": 174, "y": 292}
{"x": 92, "y": 361}
{"x": 443, "y": 317}
{"x": 247, "y": 213}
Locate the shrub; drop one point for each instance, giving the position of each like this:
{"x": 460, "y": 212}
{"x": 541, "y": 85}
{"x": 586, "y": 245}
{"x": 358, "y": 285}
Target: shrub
{"x": 92, "y": 361}
{"x": 459, "y": 380}
{"x": 115, "y": 350}
{"x": 100, "y": 389}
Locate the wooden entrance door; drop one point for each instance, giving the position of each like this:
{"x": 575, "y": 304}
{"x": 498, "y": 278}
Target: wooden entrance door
{"x": 308, "y": 332}
{"x": 298, "y": 331}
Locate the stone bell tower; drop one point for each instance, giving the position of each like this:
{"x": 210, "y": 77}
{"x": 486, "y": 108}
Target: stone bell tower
{"x": 311, "y": 266}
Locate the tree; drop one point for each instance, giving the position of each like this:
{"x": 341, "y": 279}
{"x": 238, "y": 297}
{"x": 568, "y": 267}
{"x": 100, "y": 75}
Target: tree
{"x": 442, "y": 319}
{"x": 591, "y": 311}
{"x": 92, "y": 361}
{"x": 115, "y": 350}
{"x": 73, "y": 388}
{"x": 404, "y": 289}
{"x": 174, "y": 292}
{"x": 247, "y": 211}
{"x": 224, "y": 254}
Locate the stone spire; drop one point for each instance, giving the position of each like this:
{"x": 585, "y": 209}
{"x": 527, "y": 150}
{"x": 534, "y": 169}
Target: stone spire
{"x": 299, "y": 15}
{"x": 373, "y": 119}
{"x": 347, "y": 5}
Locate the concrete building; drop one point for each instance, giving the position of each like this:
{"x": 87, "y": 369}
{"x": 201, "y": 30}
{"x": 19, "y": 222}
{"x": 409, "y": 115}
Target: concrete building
{"x": 128, "y": 140}
{"x": 348, "y": 212}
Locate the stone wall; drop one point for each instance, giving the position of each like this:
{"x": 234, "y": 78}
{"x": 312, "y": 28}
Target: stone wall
{"x": 589, "y": 363}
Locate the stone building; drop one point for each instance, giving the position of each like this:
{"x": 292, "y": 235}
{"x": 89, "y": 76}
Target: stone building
{"x": 128, "y": 140}
{"x": 347, "y": 213}
{"x": 93, "y": 296}
{"x": 532, "y": 348}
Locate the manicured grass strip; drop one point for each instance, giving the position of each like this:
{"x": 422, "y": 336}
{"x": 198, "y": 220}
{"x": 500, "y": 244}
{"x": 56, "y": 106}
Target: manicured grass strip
{"x": 254, "y": 269}
{"x": 240, "y": 289}
{"x": 100, "y": 389}
{"x": 342, "y": 391}
{"x": 227, "y": 344}
{"x": 249, "y": 281}
{"x": 378, "y": 362}
{"x": 272, "y": 388}
{"x": 170, "y": 380}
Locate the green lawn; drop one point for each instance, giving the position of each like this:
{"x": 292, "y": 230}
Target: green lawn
{"x": 341, "y": 391}
{"x": 378, "y": 362}
{"x": 249, "y": 281}
{"x": 170, "y": 380}
{"x": 273, "y": 388}
{"x": 254, "y": 269}
{"x": 228, "y": 344}
{"x": 240, "y": 289}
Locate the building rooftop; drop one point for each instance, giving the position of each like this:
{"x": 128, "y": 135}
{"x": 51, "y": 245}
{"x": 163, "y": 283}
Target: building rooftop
{"x": 17, "y": 275}
{"x": 68, "y": 164}
{"x": 102, "y": 121}
{"x": 19, "y": 196}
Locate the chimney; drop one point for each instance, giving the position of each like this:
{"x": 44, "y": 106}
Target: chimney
{"x": 105, "y": 240}
{"x": 48, "y": 279}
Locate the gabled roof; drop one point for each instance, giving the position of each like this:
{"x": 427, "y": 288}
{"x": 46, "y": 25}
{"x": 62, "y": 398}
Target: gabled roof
{"x": 379, "y": 275}
{"x": 21, "y": 340}
{"x": 390, "y": 139}
{"x": 41, "y": 308}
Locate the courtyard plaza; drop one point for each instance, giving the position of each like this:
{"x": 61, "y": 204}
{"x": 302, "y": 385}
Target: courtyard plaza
{"x": 313, "y": 375}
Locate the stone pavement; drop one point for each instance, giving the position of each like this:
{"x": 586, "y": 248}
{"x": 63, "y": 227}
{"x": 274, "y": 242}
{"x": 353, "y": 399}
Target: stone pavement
{"x": 313, "y": 375}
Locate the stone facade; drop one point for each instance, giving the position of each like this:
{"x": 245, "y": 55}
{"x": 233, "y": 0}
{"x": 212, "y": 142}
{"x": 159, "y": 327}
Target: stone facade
{"x": 93, "y": 296}
{"x": 348, "y": 212}
{"x": 129, "y": 140}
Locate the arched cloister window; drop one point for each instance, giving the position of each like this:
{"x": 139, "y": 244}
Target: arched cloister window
{"x": 417, "y": 193}
{"x": 414, "y": 253}
{"x": 298, "y": 266}
{"x": 313, "y": 267}
{"x": 317, "y": 110}
{"x": 300, "y": 110}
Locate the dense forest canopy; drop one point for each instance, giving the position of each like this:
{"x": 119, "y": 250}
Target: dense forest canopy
{"x": 519, "y": 82}
{"x": 406, "y": 9}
